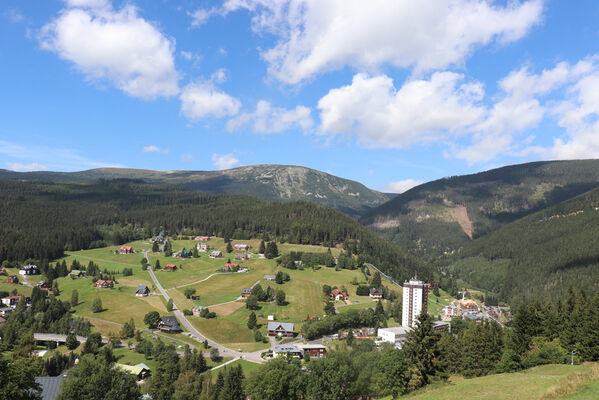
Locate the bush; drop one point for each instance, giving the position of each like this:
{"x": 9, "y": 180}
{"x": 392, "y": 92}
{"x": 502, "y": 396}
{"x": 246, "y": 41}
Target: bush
{"x": 362, "y": 290}
{"x": 215, "y": 355}
{"x": 257, "y": 336}
{"x": 187, "y": 312}
{"x": 97, "y": 305}
{"x": 71, "y": 342}
{"x": 151, "y": 319}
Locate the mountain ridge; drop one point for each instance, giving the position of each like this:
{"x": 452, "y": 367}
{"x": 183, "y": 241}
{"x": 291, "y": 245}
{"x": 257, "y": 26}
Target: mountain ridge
{"x": 445, "y": 214}
{"x": 271, "y": 182}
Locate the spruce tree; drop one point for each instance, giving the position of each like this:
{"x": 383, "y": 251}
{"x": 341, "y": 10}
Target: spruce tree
{"x": 262, "y": 248}
{"x": 252, "y": 320}
{"x": 422, "y": 353}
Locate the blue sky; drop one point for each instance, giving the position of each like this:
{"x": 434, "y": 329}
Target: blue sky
{"x": 385, "y": 93}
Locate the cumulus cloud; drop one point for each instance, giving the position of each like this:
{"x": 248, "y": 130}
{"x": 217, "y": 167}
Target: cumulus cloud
{"x": 400, "y": 186}
{"x": 154, "y": 149}
{"x": 268, "y": 119}
{"x": 524, "y": 104}
{"x": 219, "y": 76}
{"x": 317, "y": 36}
{"x": 117, "y": 46}
{"x": 15, "y": 166}
{"x": 421, "y": 111}
{"x": 202, "y": 99}
{"x": 224, "y": 161}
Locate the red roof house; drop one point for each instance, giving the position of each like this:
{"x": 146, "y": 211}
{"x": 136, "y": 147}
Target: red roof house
{"x": 337, "y": 294}
{"x": 126, "y": 250}
{"x": 101, "y": 283}
{"x": 202, "y": 238}
{"x": 230, "y": 267}
{"x": 12, "y": 279}
{"x": 170, "y": 267}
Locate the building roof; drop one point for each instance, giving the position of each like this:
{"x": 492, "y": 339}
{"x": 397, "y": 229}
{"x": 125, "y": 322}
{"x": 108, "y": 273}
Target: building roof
{"x": 312, "y": 346}
{"x": 142, "y": 288}
{"x": 286, "y": 326}
{"x": 270, "y": 277}
{"x": 398, "y": 330}
{"x": 285, "y": 348}
{"x": 134, "y": 369}
{"x": 170, "y": 322}
{"x": 246, "y": 290}
{"x": 50, "y": 386}
{"x": 440, "y": 323}
{"x": 75, "y": 272}
{"x": 376, "y": 291}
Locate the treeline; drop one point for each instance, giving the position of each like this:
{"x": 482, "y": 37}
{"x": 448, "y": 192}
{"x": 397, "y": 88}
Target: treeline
{"x": 539, "y": 256}
{"x": 44, "y": 315}
{"x": 41, "y": 221}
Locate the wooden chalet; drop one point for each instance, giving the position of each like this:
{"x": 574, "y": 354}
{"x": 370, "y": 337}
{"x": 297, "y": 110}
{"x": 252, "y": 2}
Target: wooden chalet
{"x": 142, "y": 291}
{"x": 169, "y": 324}
{"x": 241, "y": 247}
{"x": 376, "y": 294}
{"x": 170, "y": 267}
{"x": 280, "y": 328}
{"x": 13, "y": 279}
{"x": 246, "y": 292}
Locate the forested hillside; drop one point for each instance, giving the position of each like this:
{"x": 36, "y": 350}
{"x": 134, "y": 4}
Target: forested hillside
{"x": 42, "y": 220}
{"x": 267, "y": 182}
{"x": 445, "y": 214}
{"x": 539, "y": 256}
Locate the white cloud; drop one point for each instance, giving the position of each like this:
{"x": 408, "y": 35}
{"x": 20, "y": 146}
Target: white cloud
{"x": 224, "y": 161}
{"x": 186, "y": 54}
{"x": 200, "y": 16}
{"x": 118, "y": 46}
{"x": 268, "y": 119}
{"x": 400, "y": 186}
{"x": 14, "y": 16}
{"x": 219, "y": 76}
{"x": 522, "y": 107}
{"x": 317, "y": 36}
{"x": 202, "y": 99}
{"x": 421, "y": 111}
{"x": 154, "y": 149}
{"x": 55, "y": 158}
{"x": 187, "y": 157}
{"x": 15, "y": 166}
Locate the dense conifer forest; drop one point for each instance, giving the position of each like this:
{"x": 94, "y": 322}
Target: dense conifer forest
{"x": 41, "y": 221}
{"x": 538, "y": 257}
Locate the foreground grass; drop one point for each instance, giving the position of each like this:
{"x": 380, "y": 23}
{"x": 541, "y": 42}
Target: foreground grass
{"x": 543, "y": 382}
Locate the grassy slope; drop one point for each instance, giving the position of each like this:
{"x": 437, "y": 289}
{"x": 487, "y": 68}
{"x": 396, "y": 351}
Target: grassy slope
{"x": 303, "y": 291}
{"x": 536, "y": 383}
{"x": 421, "y": 216}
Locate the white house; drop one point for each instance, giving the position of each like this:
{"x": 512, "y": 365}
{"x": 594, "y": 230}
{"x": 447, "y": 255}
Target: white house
{"x": 395, "y": 335}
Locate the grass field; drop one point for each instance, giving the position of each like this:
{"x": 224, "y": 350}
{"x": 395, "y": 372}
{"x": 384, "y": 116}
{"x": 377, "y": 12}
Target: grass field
{"x": 542, "y": 382}
{"x": 304, "y": 295}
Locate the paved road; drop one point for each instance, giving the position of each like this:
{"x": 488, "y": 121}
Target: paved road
{"x": 195, "y": 334}
{"x": 200, "y": 281}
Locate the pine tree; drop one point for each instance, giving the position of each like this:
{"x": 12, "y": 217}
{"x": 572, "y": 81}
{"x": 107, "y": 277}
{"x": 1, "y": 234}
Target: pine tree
{"x": 376, "y": 280}
{"x": 74, "y": 298}
{"x": 155, "y": 247}
{"x": 262, "y": 248}
{"x": 252, "y": 320}
{"x": 157, "y": 265}
{"x": 229, "y": 247}
{"x": 422, "y": 353}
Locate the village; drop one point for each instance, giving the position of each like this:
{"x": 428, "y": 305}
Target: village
{"x": 207, "y": 289}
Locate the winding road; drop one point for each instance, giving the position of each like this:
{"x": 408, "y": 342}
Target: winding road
{"x": 194, "y": 333}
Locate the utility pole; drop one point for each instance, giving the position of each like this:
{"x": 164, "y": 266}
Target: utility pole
{"x": 572, "y": 357}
